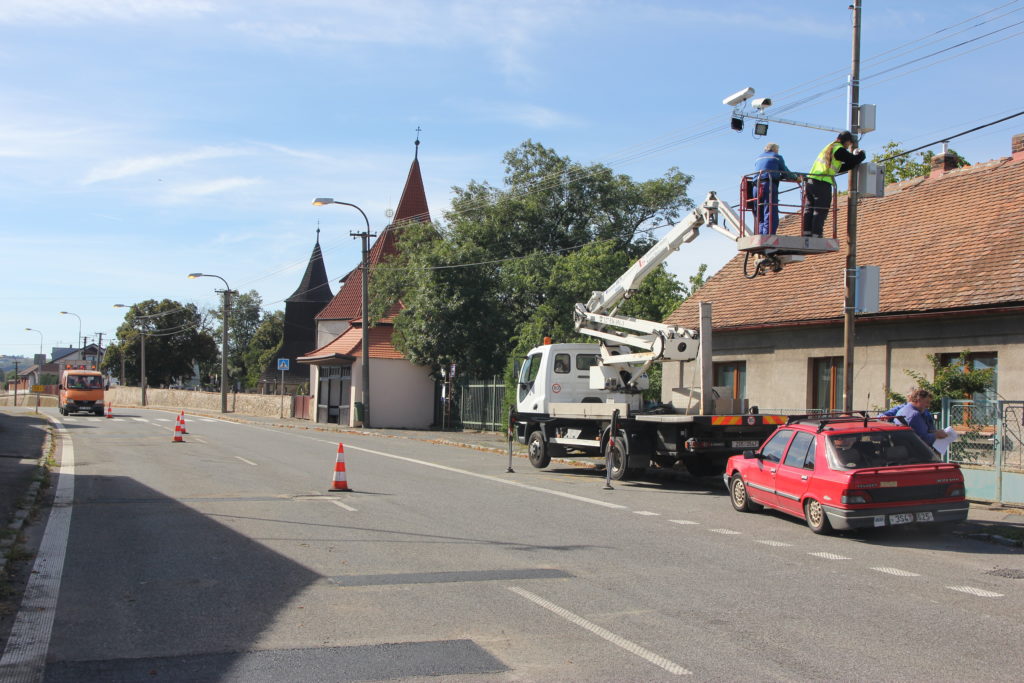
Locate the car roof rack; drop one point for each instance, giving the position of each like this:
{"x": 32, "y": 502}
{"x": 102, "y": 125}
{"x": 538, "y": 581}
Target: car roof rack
{"x": 833, "y": 417}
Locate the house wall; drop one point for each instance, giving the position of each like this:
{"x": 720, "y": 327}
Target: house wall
{"x": 779, "y": 361}
{"x": 401, "y": 393}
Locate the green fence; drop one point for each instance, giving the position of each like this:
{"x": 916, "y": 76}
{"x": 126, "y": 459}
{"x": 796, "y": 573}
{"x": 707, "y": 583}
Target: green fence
{"x": 990, "y": 448}
{"x": 470, "y": 403}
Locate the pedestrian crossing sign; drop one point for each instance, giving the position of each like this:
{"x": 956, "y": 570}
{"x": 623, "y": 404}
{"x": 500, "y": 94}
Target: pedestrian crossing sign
{"x": 282, "y": 364}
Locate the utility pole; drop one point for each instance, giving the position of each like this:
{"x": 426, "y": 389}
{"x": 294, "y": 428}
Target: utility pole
{"x": 366, "y": 323}
{"x": 224, "y": 351}
{"x": 849, "y": 320}
{"x": 142, "y": 364}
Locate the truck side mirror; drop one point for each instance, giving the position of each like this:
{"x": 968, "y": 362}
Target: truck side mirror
{"x": 749, "y": 454}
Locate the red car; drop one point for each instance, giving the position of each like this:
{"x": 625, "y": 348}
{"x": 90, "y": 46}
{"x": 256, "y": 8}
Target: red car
{"x": 847, "y": 473}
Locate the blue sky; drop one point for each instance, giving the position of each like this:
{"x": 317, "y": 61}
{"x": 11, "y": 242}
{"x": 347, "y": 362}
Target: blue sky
{"x": 141, "y": 140}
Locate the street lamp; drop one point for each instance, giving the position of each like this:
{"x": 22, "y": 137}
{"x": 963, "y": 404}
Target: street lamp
{"x": 324, "y": 201}
{"x": 224, "y": 337}
{"x": 142, "y": 354}
{"x": 79, "y": 326}
{"x": 29, "y": 329}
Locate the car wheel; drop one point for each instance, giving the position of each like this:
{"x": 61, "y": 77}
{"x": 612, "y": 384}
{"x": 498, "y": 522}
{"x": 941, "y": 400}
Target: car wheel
{"x": 538, "y": 451}
{"x": 615, "y": 457}
{"x": 816, "y": 518}
{"x": 740, "y": 498}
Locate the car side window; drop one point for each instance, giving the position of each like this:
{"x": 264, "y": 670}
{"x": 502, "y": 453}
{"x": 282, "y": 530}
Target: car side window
{"x": 561, "y": 363}
{"x": 809, "y": 460}
{"x": 774, "y": 448}
{"x": 798, "y": 450}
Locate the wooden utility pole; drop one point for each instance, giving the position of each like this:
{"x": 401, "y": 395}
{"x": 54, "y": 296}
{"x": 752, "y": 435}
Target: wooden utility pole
{"x": 849, "y": 330}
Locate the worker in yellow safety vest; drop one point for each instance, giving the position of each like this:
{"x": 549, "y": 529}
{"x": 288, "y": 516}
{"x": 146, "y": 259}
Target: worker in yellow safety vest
{"x": 836, "y": 158}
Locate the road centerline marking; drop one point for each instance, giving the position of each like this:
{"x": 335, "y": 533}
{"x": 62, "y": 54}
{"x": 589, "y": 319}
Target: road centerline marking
{"x": 894, "y": 571}
{"x": 829, "y": 556}
{"x": 247, "y": 462}
{"x": 627, "y": 645}
{"x": 979, "y": 592}
{"x": 342, "y": 505}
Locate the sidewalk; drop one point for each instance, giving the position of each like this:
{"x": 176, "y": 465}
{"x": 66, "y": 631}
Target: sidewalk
{"x": 22, "y": 438}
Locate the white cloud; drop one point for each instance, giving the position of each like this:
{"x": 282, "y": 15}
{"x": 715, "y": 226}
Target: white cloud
{"x": 183, "y": 193}
{"x": 533, "y": 115}
{"x": 67, "y": 12}
{"x": 131, "y": 167}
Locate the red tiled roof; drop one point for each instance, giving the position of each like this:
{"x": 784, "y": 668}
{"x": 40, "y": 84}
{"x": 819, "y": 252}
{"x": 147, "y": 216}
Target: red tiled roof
{"x": 946, "y": 243}
{"x": 347, "y": 303}
{"x": 350, "y": 343}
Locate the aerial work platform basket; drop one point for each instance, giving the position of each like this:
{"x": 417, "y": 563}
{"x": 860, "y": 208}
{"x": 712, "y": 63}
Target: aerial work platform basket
{"x": 788, "y": 202}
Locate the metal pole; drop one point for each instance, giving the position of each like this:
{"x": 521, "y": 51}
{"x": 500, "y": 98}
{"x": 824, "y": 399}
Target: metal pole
{"x": 142, "y": 366}
{"x": 224, "y": 352}
{"x": 15, "y": 384}
{"x": 366, "y": 327}
{"x": 849, "y": 330}
{"x": 282, "y": 393}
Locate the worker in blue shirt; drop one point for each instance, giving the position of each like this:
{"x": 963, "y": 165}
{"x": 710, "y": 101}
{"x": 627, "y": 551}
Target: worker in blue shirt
{"x": 916, "y": 415}
{"x": 769, "y": 167}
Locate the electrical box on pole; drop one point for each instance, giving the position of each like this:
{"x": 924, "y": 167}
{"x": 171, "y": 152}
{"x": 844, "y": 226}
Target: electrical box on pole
{"x": 866, "y": 298}
{"x": 865, "y": 118}
{"x": 870, "y": 180}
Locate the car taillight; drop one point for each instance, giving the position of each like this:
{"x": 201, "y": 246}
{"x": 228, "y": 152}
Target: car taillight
{"x": 855, "y": 497}
{"x": 955, "y": 491}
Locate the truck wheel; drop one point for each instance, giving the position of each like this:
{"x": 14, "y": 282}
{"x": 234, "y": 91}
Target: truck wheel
{"x": 814, "y": 513}
{"x": 538, "y": 450}
{"x": 740, "y": 497}
{"x": 615, "y": 457}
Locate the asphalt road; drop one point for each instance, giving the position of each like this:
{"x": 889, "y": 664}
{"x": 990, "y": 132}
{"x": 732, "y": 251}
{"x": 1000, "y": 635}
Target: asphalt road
{"x": 225, "y": 558}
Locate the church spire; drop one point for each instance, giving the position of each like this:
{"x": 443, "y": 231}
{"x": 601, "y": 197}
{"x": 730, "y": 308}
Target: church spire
{"x": 416, "y": 154}
{"x": 314, "y": 285}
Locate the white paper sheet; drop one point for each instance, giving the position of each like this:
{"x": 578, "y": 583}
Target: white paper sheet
{"x": 942, "y": 445}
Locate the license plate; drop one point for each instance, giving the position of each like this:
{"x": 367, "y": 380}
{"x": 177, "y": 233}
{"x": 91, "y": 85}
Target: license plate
{"x": 925, "y": 517}
{"x": 746, "y": 444}
{"x": 901, "y": 518}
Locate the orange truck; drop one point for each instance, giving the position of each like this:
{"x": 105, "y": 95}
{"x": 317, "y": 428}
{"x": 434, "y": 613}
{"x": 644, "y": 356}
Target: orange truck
{"x": 81, "y": 390}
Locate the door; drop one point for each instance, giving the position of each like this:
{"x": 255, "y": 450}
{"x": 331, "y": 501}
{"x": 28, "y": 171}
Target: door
{"x": 761, "y": 479}
{"x": 794, "y": 473}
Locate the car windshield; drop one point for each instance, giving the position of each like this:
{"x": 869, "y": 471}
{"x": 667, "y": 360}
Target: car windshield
{"x": 887, "y": 448}
{"x": 84, "y": 382}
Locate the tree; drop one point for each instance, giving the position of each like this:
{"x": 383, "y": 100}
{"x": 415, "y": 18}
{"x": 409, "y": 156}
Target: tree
{"x": 956, "y": 381}
{"x": 508, "y": 264}
{"x": 263, "y": 346}
{"x": 176, "y": 339}
{"x": 902, "y": 166}
{"x": 244, "y": 319}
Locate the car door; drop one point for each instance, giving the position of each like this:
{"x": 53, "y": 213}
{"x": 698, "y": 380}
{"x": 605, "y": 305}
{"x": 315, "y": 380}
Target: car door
{"x": 792, "y": 478}
{"x": 760, "y": 477}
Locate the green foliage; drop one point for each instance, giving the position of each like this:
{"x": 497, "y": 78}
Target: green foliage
{"x": 244, "y": 319}
{"x": 263, "y": 346}
{"x": 956, "y": 381}
{"x": 904, "y": 166}
{"x": 555, "y": 232}
{"x": 175, "y": 338}
{"x": 48, "y": 378}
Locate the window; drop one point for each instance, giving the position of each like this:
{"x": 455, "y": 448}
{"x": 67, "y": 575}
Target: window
{"x": 585, "y": 361}
{"x": 732, "y": 375}
{"x": 527, "y": 374}
{"x": 978, "y": 361}
{"x": 827, "y": 389}
{"x": 774, "y": 448}
{"x": 561, "y": 363}
{"x": 803, "y": 443}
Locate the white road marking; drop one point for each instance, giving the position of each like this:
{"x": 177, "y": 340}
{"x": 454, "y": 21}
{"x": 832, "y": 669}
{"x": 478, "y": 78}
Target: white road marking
{"x": 774, "y": 544}
{"x": 25, "y": 654}
{"x": 206, "y": 419}
{"x": 829, "y": 556}
{"x": 162, "y": 419}
{"x": 612, "y": 638}
{"x": 971, "y": 590}
{"x": 247, "y": 462}
{"x": 894, "y": 571}
{"x": 342, "y": 505}
{"x": 140, "y": 419}
{"x": 488, "y": 477}
{"x": 726, "y": 532}
{"x": 684, "y": 522}
{"x": 645, "y": 513}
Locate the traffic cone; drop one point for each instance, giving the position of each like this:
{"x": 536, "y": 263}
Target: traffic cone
{"x": 181, "y": 419}
{"x": 340, "y": 482}
{"x": 110, "y": 410}
{"x": 177, "y": 433}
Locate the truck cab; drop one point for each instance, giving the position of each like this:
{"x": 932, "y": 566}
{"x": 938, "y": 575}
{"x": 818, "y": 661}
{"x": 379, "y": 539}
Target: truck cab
{"x": 81, "y": 390}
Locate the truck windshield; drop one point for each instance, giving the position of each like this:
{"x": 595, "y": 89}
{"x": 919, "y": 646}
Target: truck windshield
{"x": 84, "y": 382}
{"x": 878, "y": 449}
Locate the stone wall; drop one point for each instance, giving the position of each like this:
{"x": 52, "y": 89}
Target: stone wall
{"x": 263, "y": 405}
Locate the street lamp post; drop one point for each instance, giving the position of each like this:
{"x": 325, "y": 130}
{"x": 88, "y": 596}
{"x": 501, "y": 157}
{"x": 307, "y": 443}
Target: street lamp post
{"x": 29, "y": 329}
{"x": 142, "y": 355}
{"x": 79, "y": 342}
{"x": 224, "y": 338}
{"x": 323, "y": 201}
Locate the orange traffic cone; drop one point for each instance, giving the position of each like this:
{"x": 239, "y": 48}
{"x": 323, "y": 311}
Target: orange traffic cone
{"x": 340, "y": 482}
{"x": 177, "y": 433}
{"x": 110, "y": 410}
{"x": 181, "y": 420}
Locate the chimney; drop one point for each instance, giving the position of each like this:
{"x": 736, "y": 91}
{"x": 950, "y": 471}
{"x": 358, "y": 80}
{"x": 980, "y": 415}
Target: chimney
{"x": 1017, "y": 147}
{"x": 942, "y": 163}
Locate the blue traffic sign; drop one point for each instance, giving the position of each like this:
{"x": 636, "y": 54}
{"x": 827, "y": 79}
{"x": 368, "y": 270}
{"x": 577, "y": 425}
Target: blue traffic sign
{"x": 282, "y": 364}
